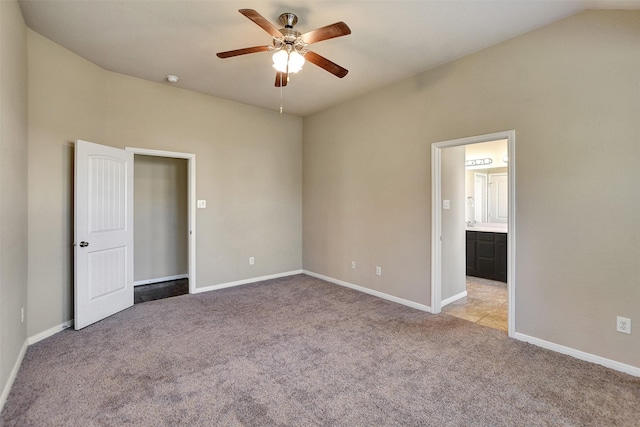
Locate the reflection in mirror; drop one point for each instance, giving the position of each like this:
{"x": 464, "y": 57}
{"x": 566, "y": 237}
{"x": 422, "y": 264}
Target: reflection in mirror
{"x": 488, "y": 190}
{"x": 486, "y": 183}
{"x": 480, "y": 194}
{"x": 497, "y": 198}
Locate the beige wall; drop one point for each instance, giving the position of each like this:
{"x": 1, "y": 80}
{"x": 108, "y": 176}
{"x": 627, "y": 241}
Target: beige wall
{"x": 66, "y": 102}
{"x": 571, "y": 92}
{"x": 452, "y": 185}
{"x": 248, "y": 168}
{"x": 13, "y": 186}
{"x": 161, "y": 226}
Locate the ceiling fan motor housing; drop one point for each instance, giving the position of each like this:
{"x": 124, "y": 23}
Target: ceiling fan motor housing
{"x": 288, "y": 19}
{"x": 291, "y": 38}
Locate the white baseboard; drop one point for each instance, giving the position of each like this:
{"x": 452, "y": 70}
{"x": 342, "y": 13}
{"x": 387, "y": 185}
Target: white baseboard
{"x": 12, "y": 375}
{"x": 51, "y": 331}
{"x": 453, "y": 298}
{"x": 618, "y": 366}
{"x": 371, "y": 292}
{"x": 160, "y": 279}
{"x": 246, "y": 281}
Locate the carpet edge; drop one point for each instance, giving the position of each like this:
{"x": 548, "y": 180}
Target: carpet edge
{"x": 375, "y": 293}
{"x": 579, "y": 354}
{"x": 246, "y": 281}
{"x": 12, "y": 376}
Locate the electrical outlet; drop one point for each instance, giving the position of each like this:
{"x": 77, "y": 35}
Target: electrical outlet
{"x": 251, "y": 261}
{"x": 353, "y": 265}
{"x": 378, "y": 271}
{"x": 22, "y": 315}
{"x": 623, "y": 325}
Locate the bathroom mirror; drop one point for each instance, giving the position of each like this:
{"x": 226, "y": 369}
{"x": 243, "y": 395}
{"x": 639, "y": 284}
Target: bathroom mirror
{"x": 486, "y": 192}
{"x": 486, "y": 183}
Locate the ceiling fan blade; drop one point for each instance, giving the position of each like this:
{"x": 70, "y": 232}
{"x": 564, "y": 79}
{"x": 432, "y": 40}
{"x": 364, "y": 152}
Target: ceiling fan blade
{"x": 262, "y": 22}
{"x": 246, "y": 50}
{"x": 323, "y": 62}
{"x": 281, "y": 79}
{"x": 338, "y": 29}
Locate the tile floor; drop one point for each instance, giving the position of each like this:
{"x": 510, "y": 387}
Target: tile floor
{"x": 161, "y": 290}
{"x": 485, "y": 303}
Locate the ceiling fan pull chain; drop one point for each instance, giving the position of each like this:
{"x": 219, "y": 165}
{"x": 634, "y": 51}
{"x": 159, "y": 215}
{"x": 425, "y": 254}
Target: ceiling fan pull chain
{"x": 281, "y": 102}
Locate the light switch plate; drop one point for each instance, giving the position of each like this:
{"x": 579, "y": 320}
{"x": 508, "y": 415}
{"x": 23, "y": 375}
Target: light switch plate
{"x": 202, "y": 204}
{"x": 446, "y": 204}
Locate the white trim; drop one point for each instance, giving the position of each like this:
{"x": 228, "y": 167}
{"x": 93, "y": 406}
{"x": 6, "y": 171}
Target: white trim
{"x": 453, "y": 298}
{"x": 436, "y": 230}
{"x": 12, "y": 376}
{"x": 246, "y": 281}
{"x": 49, "y": 332}
{"x": 511, "y": 235}
{"x": 160, "y": 279}
{"x": 436, "y": 219}
{"x": 578, "y": 354}
{"x": 378, "y": 294}
{"x": 191, "y": 205}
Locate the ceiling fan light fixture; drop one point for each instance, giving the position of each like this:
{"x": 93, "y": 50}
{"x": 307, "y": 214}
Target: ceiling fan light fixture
{"x": 285, "y": 62}
{"x": 296, "y": 61}
{"x": 280, "y": 59}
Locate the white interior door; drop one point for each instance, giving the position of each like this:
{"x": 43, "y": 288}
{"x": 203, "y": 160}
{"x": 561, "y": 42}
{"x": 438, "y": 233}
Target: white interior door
{"x": 103, "y": 247}
{"x": 498, "y": 198}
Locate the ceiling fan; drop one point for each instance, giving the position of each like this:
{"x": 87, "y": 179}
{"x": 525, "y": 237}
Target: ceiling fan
{"x": 290, "y": 45}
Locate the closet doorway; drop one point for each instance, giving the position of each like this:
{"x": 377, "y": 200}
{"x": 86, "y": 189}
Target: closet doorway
{"x": 164, "y": 224}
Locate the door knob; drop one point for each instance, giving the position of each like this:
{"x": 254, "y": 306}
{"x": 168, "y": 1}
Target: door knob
{"x": 84, "y": 244}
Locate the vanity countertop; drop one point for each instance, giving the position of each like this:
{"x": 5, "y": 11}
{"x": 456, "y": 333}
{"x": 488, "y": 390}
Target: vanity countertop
{"x": 488, "y": 229}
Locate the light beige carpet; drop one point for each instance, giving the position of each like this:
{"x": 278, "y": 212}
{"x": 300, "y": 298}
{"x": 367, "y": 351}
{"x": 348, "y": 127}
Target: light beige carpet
{"x": 299, "y": 351}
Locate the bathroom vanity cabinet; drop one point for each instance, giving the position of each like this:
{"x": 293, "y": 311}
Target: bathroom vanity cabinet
{"x": 487, "y": 255}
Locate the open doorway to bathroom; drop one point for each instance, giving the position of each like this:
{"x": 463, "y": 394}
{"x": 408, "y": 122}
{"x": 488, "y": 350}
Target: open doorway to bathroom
{"x": 473, "y": 188}
{"x": 486, "y": 230}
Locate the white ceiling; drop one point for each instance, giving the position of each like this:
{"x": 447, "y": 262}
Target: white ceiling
{"x": 390, "y": 40}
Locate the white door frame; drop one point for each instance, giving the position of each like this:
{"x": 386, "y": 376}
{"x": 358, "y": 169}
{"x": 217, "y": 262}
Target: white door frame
{"x": 436, "y": 219}
{"x": 191, "y": 204}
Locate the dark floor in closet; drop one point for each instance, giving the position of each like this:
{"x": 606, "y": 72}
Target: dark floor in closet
{"x": 161, "y": 290}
